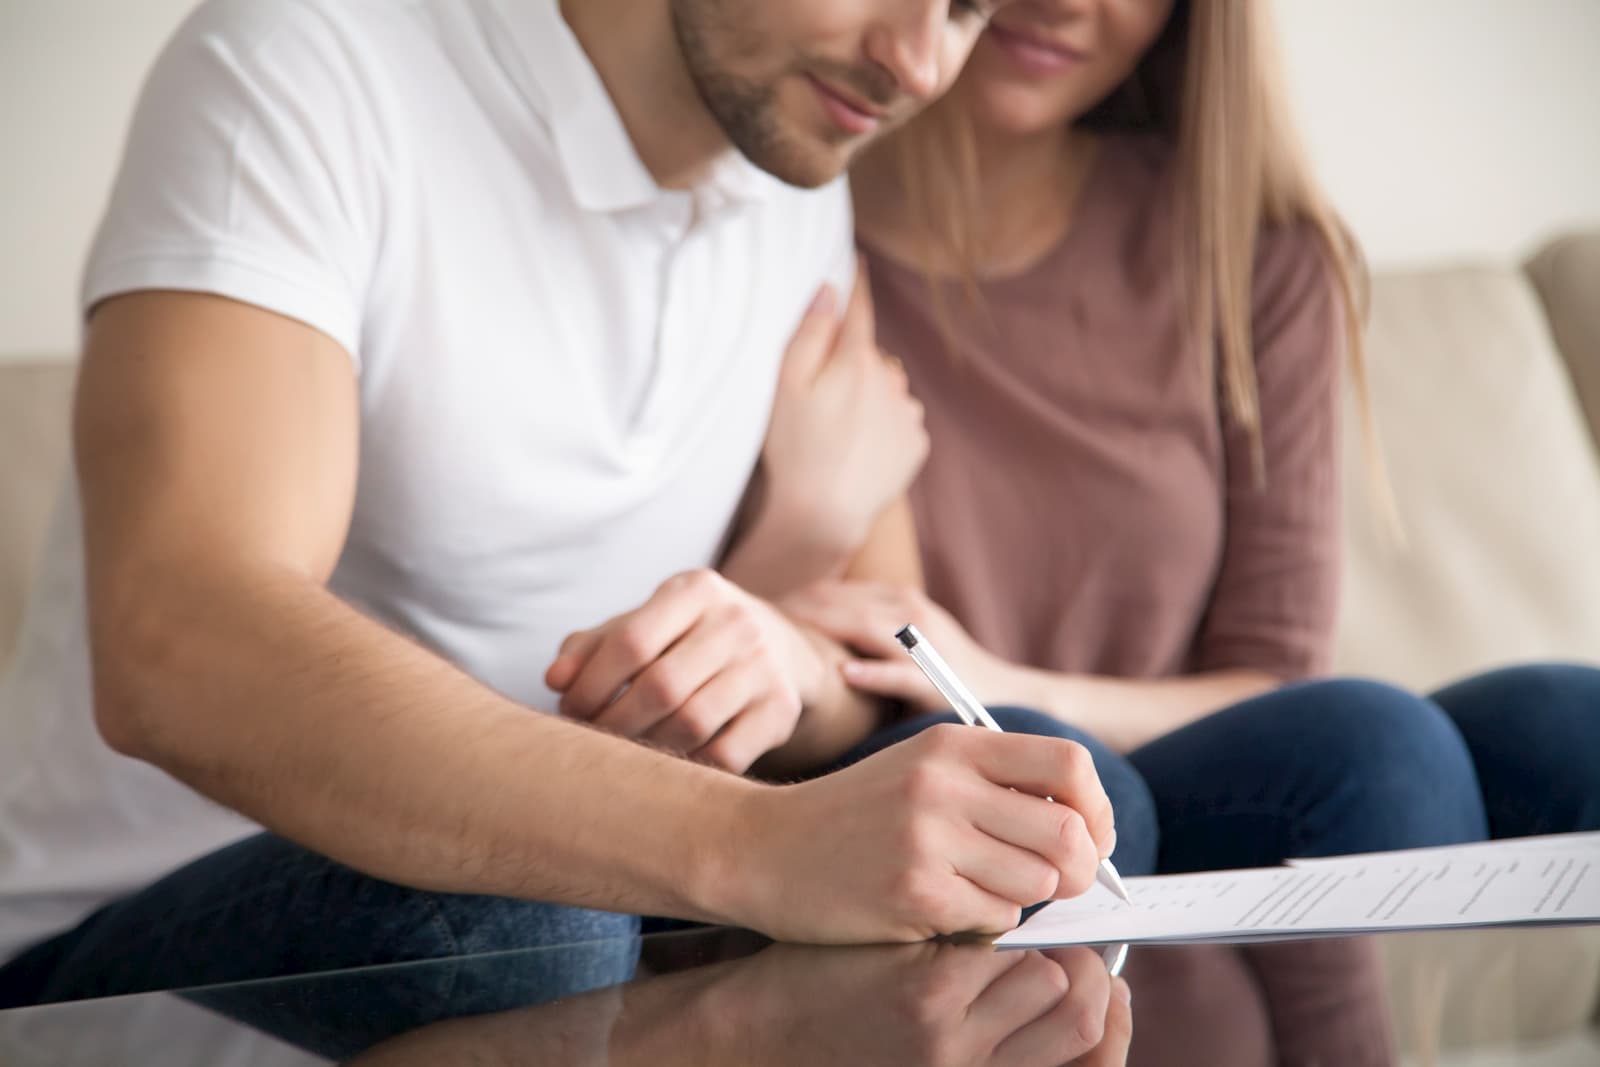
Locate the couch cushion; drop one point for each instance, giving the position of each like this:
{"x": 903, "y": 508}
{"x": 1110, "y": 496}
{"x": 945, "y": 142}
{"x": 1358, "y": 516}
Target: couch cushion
{"x": 35, "y": 399}
{"x": 1567, "y": 276}
{"x": 1466, "y": 988}
{"x": 1497, "y": 482}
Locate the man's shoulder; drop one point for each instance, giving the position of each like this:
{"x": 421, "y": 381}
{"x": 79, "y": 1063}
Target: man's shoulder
{"x": 818, "y": 226}
{"x": 246, "y": 25}
{"x": 825, "y": 201}
{"x": 819, "y": 211}
{"x": 290, "y": 34}
{"x": 309, "y": 64}
{"x": 253, "y": 20}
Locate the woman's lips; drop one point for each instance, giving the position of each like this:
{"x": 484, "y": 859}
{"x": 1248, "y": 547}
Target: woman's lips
{"x": 1033, "y": 55}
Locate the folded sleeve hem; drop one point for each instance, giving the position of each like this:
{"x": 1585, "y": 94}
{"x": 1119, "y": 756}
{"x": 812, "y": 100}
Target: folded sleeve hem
{"x": 317, "y": 305}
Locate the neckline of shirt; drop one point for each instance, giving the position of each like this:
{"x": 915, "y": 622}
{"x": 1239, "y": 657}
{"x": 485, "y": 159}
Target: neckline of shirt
{"x": 545, "y": 60}
{"x": 1111, "y": 156}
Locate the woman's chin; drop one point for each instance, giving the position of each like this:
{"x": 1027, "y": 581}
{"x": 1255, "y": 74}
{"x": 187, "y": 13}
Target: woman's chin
{"x": 1013, "y": 114}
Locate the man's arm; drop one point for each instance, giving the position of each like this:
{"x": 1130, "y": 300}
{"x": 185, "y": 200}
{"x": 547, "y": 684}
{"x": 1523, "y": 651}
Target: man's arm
{"x": 217, "y": 448}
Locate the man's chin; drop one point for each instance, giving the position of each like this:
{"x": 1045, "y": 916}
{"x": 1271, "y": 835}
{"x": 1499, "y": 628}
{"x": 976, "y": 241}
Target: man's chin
{"x": 806, "y": 165}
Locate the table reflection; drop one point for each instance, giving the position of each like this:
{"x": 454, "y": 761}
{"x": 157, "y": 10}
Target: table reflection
{"x": 705, "y": 998}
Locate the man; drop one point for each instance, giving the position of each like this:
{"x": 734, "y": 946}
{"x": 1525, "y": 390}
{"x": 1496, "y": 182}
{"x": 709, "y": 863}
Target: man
{"x": 421, "y": 337}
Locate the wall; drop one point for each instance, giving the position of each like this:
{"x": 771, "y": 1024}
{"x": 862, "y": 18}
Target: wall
{"x": 1450, "y": 128}
{"x": 1443, "y": 128}
{"x": 69, "y": 71}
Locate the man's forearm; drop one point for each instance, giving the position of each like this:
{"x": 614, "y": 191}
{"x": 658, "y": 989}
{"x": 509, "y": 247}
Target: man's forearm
{"x": 266, "y": 693}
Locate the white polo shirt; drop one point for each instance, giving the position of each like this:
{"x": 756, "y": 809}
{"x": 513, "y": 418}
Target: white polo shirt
{"x": 565, "y": 371}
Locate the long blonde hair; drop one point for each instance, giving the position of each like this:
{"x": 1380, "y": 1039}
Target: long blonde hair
{"x": 1212, "y": 86}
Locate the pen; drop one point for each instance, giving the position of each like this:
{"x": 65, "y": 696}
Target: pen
{"x": 973, "y": 713}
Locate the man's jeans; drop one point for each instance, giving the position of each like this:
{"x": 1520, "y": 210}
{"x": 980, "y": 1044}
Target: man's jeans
{"x": 1318, "y": 768}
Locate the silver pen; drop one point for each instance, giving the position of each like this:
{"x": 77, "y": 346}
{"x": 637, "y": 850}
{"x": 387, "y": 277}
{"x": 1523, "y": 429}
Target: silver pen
{"x": 974, "y": 713}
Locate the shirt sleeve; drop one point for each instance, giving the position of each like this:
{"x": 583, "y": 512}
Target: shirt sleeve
{"x": 1275, "y": 602}
{"x": 251, "y": 171}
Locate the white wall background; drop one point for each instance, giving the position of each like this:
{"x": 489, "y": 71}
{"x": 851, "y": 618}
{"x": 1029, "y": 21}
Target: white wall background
{"x": 1445, "y": 129}
{"x": 1450, "y": 128}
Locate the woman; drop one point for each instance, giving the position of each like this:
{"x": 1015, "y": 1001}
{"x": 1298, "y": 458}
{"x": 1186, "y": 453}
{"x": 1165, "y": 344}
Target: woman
{"x": 1125, "y": 523}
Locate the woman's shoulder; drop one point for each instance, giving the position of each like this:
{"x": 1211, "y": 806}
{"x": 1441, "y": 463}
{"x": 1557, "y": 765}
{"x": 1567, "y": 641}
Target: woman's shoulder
{"x": 1294, "y": 262}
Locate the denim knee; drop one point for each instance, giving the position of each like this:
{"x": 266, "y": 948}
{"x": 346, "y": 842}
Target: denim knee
{"x": 1138, "y": 833}
{"x": 1534, "y": 735}
{"x": 1392, "y": 770}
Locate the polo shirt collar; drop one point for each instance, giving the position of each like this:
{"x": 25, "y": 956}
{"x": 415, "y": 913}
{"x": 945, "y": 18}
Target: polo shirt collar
{"x": 592, "y": 145}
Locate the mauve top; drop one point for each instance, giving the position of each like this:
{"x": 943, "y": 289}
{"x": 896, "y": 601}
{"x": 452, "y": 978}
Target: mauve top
{"x": 1085, "y": 507}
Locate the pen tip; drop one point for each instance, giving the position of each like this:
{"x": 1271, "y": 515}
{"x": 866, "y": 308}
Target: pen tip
{"x": 1113, "y": 881}
{"x": 908, "y": 637}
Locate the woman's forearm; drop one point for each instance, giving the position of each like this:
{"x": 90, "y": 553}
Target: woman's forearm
{"x": 1128, "y": 712}
{"x": 782, "y": 548}
{"x": 837, "y": 720}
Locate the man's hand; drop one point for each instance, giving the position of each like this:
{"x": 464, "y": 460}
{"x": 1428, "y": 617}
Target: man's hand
{"x": 703, "y": 668}
{"x": 946, "y": 832}
{"x": 865, "y": 616}
{"x": 927, "y": 1005}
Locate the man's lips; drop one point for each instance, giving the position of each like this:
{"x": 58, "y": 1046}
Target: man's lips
{"x": 849, "y": 113}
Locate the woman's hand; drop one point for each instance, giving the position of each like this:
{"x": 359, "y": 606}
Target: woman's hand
{"x": 865, "y": 616}
{"x": 846, "y": 436}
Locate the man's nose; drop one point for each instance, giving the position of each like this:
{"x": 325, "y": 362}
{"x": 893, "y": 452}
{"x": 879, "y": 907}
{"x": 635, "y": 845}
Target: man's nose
{"x": 909, "y": 46}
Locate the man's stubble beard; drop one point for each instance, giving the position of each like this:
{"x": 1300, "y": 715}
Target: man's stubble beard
{"x": 746, "y": 111}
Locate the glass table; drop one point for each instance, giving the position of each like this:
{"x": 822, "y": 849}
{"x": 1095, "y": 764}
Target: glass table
{"x": 720, "y": 996}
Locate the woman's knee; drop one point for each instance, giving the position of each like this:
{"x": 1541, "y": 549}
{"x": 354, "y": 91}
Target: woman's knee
{"x": 1131, "y": 801}
{"x": 1534, "y": 735}
{"x": 1557, "y": 702}
{"x": 1393, "y": 759}
{"x": 1373, "y": 724}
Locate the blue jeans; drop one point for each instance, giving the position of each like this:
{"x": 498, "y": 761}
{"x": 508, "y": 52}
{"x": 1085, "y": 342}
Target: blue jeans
{"x": 1332, "y": 767}
{"x": 1326, "y": 768}
{"x": 1312, "y": 769}
{"x": 265, "y": 907}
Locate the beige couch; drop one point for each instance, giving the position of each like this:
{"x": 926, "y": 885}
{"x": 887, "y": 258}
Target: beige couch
{"x": 1487, "y": 386}
{"x": 1483, "y": 376}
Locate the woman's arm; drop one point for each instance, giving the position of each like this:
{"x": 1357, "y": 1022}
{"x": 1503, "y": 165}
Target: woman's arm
{"x": 1128, "y": 712}
{"x": 1273, "y": 607}
{"x": 844, "y": 442}
{"x": 1124, "y": 713}
{"x": 827, "y": 732}
{"x": 1274, "y": 603}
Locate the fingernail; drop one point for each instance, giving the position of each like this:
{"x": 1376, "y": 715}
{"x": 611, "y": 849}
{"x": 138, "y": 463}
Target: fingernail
{"x": 1112, "y": 847}
{"x": 1122, "y": 991}
{"x": 823, "y": 301}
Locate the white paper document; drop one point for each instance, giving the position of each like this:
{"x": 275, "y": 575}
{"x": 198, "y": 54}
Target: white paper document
{"x": 1532, "y": 880}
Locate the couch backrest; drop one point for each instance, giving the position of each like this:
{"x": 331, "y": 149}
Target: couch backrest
{"x": 35, "y": 398}
{"x": 1497, "y": 479}
{"x": 1567, "y": 275}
